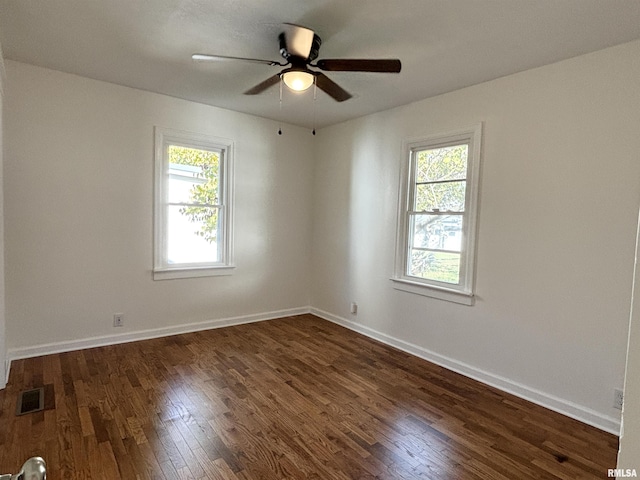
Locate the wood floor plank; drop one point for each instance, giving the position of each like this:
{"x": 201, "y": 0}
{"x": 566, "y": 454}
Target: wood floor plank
{"x": 294, "y": 398}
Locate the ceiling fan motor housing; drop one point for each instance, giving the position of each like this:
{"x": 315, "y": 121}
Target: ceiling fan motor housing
{"x": 313, "y": 52}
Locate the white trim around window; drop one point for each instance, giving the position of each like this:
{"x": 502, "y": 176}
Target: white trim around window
{"x": 177, "y": 210}
{"x": 437, "y": 217}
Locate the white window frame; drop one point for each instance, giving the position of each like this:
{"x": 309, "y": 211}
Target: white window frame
{"x": 463, "y": 292}
{"x": 164, "y": 137}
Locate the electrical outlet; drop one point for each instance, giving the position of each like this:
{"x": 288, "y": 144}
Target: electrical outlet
{"x": 118, "y": 319}
{"x": 618, "y": 398}
{"x": 354, "y": 308}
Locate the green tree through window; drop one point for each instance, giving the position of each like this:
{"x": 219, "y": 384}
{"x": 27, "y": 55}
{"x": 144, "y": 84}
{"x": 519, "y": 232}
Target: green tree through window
{"x": 439, "y": 203}
{"x": 204, "y": 195}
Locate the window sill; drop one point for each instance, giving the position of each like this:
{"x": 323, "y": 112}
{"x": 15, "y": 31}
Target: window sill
{"x": 441, "y": 293}
{"x": 191, "y": 272}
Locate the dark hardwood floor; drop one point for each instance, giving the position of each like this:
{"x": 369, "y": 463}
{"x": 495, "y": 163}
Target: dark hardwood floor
{"x": 293, "y": 398}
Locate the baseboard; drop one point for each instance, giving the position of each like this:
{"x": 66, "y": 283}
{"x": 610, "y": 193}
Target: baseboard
{"x": 569, "y": 409}
{"x": 58, "y": 347}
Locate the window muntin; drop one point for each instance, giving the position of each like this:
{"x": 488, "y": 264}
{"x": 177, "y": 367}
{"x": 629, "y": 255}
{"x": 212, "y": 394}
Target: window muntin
{"x": 193, "y": 211}
{"x": 437, "y": 217}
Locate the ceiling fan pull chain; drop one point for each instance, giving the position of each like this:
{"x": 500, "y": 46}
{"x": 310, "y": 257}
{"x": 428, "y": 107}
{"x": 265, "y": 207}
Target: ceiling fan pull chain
{"x": 315, "y": 96}
{"x": 280, "y": 121}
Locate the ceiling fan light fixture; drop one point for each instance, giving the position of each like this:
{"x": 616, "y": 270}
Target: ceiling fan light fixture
{"x": 297, "y": 80}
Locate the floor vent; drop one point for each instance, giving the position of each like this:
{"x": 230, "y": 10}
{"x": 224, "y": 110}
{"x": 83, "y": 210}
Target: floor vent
{"x": 30, "y": 401}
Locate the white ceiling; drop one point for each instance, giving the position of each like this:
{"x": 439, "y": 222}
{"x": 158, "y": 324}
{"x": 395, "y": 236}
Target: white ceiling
{"x": 444, "y": 45}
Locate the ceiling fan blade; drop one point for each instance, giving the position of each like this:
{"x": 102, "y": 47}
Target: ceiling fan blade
{"x": 203, "y": 57}
{"x": 391, "y": 65}
{"x": 331, "y": 88}
{"x": 262, "y": 86}
{"x": 299, "y": 40}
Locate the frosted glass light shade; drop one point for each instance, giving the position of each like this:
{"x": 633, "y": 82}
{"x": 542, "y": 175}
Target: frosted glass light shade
{"x": 297, "y": 81}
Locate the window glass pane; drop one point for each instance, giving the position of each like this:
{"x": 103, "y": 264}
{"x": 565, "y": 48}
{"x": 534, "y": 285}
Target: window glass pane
{"x": 446, "y": 163}
{"x": 438, "y": 266}
{"x": 192, "y": 234}
{"x": 182, "y": 188}
{"x": 438, "y": 232}
{"x": 193, "y": 175}
{"x": 440, "y": 196}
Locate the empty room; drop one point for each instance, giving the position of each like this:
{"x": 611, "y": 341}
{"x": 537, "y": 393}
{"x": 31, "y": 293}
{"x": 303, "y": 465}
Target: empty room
{"x": 322, "y": 239}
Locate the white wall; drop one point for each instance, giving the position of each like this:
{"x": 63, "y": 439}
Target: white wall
{"x": 79, "y": 191}
{"x": 558, "y": 209}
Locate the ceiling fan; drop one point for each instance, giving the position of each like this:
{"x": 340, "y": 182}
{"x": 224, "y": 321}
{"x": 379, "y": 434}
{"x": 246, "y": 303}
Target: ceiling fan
{"x": 299, "y": 46}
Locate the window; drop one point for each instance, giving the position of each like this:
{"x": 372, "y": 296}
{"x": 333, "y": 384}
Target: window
{"x": 193, "y": 216}
{"x": 437, "y": 216}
